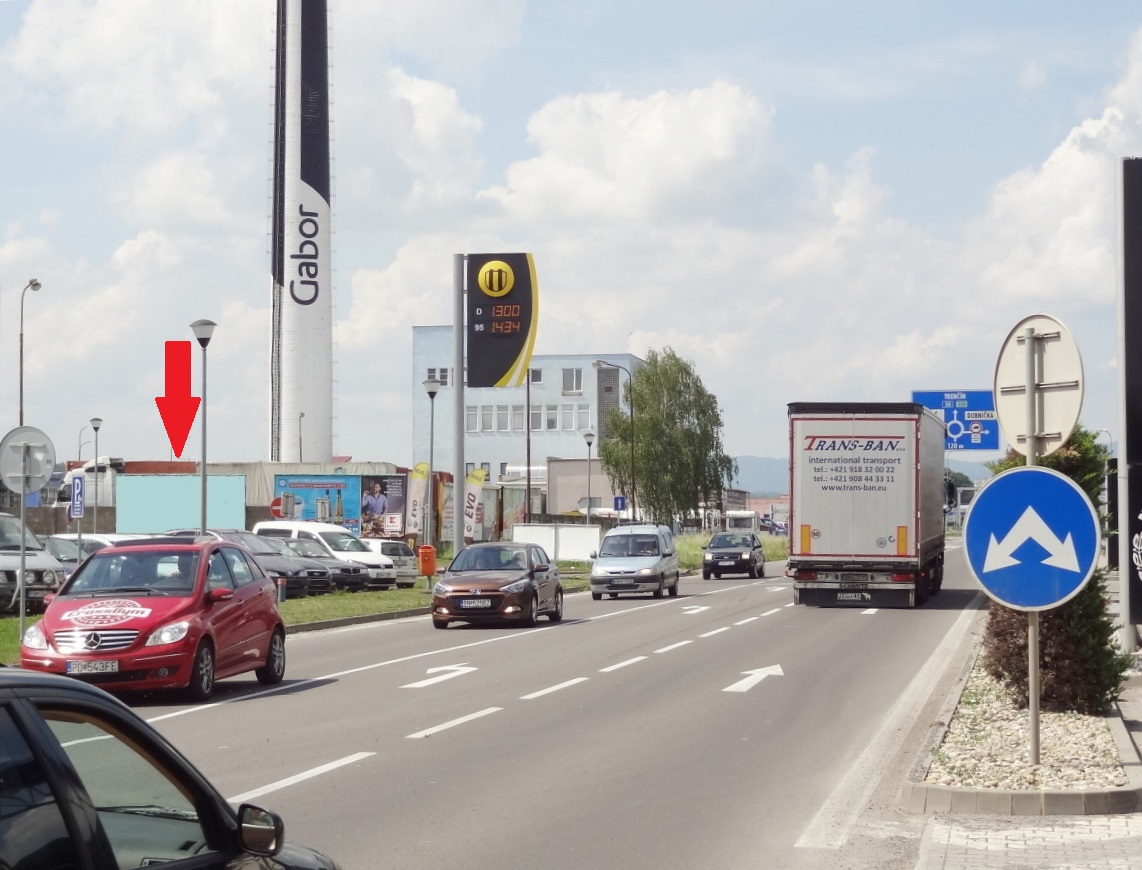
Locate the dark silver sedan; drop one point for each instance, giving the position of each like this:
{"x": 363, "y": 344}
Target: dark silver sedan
{"x": 500, "y": 582}
{"x": 734, "y": 553}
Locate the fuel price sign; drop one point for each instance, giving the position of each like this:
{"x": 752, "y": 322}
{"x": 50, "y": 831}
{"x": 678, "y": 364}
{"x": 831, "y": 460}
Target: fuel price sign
{"x": 503, "y": 310}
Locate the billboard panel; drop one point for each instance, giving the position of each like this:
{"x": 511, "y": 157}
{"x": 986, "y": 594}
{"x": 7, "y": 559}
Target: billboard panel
{"x": 328, "y": 498}
{"x": 383, "y": 500}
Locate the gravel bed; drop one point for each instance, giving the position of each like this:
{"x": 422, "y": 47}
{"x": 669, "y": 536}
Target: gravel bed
{"x": 987, "y": 745}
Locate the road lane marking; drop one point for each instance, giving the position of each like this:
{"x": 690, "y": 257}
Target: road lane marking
{"x": 754, "y": 677}
{"x": 438, "y": 728}
{"x": 451, "y": 671}
{"x": 867, "y": 612}
{"x": 747, "y": 619}
{"x": 301, "y": 777}
{"x": 548, "y": 691}
{"x": 673, "y": 646}
{"x": 694, "y": 608}
{"x": 790, "y": 604}
{"x": 715, "y": 631}
{"x": 636, "y": 659}
{"x": 771, "y": 612}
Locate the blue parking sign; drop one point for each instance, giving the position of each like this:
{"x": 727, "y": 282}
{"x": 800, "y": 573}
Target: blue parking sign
{"x": 78, "y": 487}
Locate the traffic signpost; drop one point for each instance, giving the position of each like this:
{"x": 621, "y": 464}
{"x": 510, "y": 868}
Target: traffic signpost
{"x": 968, "y": 415}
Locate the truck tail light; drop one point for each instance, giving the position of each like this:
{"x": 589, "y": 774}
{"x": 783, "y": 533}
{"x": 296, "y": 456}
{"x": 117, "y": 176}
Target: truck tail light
{"x": 802, "y": 574}
{"x": 903, "y": 578}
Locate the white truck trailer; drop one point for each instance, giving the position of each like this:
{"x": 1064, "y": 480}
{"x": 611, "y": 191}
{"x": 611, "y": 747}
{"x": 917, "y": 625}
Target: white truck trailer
{"x": 866, "y": 515}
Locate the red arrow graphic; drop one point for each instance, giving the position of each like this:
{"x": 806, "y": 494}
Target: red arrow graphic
{"x": 178, "y": 406}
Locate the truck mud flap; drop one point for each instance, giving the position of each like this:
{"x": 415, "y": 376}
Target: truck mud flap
{"x": 831, "y": 597}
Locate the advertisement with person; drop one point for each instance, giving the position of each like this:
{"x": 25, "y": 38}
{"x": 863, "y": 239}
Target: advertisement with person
{"x": 383, "y": 505}
{"x": 334, "y": 498}
{"x": 417, "y": 495}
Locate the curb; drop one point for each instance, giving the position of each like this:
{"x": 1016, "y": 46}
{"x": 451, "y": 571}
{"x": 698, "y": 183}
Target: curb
{"x": 355, "y": 620}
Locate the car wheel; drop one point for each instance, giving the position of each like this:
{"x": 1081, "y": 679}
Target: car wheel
{"x": 761, "y": 569}
{"x": 752, "y": 572}
{"x": 596, "y": 596}
{"x": 201, "y": 685}
{"x": 557, "y": 614}
{"x": 273, "y": 670}
{"x": 532, "y": 612}
{"x": 440, "y": 623}
{"x": 674, "y": 588}
{"x": 705, "y": 575}
{"x": 658, "y": 592}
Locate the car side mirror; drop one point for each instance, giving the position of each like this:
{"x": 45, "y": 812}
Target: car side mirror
{"x": 541, "y": 569}
{"x": 260, "y": 832}
{"x": 215, "y": 595}
{"x": 594, "y": 554}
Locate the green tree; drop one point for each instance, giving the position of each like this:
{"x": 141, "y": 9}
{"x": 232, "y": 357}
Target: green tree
{"x": 958, "y": 478}
{"x": 679, "y": 462}
{"x": 1080, "y": 666}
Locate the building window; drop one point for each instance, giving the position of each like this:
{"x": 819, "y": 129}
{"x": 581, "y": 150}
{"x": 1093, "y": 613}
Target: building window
{"x": 502, "y": 418}
{"x": 439, "y": 375}
{"x": 503, "y": 469}
{"x": 584, "y": 422}
{"x": 487, "y": 469}
{"x": 572, "y": 380}
{"x": 568, "y": 417}
{"x": 536, "y": 418}
{"x": 469, "y": 467}
{"x": 536, "y": 376}
{"x": 485, "y": 418}
{"x": 517, "y": 418}
{"x": 552, "y": 417}
{"x": 471, "y": 419}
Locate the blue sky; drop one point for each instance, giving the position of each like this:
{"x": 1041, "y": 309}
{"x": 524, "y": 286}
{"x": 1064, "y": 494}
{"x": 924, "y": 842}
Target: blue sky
{"x": 810, "y": 202}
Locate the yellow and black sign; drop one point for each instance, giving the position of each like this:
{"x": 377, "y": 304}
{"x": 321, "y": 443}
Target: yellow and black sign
{"x": 503, "y": 310}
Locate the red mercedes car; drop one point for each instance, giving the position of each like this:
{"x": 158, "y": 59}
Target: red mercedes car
{"x": 162, "y": 616}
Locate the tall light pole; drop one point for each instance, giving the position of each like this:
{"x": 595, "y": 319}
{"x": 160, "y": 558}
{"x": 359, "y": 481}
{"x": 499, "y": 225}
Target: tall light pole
{"x": 81, "y": 442}
{"x": 203, "y": 330}
{"x": 630, "y": 379}
{"x": 32, "y": 285}
{"x": 300, "y": 417}
{"x": 589, "y": 437}
{"x": 96, "y": 422}
{"x": 432, "y": 387}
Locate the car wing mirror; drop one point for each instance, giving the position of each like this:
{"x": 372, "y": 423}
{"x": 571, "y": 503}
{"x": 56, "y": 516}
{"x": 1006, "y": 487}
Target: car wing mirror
{"x": 219, "y": 595}
{"x": 260, "y": 832}
{"x": 594, "y": 554}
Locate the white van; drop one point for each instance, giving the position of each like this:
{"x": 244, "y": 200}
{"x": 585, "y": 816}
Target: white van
{"x": 338, "y": 542}
{"x": 635, "y": 558}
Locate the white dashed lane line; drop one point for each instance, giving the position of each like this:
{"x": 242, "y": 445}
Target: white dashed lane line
{"x": 715, "y": 631}
{"x": 438, "y": 728}
{"x": 635, "y": 660}
{"x": 551, "y": 689}
{"x": 673, "y": 646}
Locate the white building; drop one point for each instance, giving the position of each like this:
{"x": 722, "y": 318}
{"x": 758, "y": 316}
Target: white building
{"x": 567, "y": 392}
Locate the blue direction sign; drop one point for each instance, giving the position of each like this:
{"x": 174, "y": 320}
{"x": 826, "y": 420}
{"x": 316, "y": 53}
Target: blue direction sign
{"x": 969, "y": 417}
{"x": 620, "y": 502}
{"x": 1032, "y": 538}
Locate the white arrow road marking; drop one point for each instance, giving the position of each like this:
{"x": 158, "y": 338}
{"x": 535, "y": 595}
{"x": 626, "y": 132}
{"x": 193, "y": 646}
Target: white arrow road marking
{"x": 452, "y": 671}
{"x": 301, "y": 777}
{"x": 692, "y": 609}
{"x": 754, "y": 677}
{"x": 428, "y": 732}
{"x": 1030, "y": 526}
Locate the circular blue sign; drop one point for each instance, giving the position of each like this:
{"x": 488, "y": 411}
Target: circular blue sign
{"x": 1032, "y": 538}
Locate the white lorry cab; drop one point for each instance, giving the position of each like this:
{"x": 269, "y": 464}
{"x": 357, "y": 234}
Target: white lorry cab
{"x": 635, "y": 558}
{"x": 742, "y": 521}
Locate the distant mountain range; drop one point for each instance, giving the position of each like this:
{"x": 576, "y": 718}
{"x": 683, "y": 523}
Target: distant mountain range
{"x": 762, "y": 475}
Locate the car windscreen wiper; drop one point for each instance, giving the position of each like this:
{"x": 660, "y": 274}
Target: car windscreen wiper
{"x": 131, "y": 590}
{"x": 155, "y": 811}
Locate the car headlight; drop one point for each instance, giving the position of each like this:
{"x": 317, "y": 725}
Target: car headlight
{"x": 57, "y": 577}
{"x": 745, "y": 554}
{"x": 29, "y": 578}
{"x": 709, "y": 557}
{"x": 518, "y": 586}
{"x": 441, "y": 589}
{"x": 642, "y": 572}
{"x": 34, "y": 637}
{"x": 172, "y": 633}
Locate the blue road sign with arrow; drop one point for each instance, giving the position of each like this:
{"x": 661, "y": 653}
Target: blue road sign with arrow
{"x": 1032, "y": 538}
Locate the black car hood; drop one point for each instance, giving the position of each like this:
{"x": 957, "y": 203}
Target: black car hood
{"x": 484, "y": 580}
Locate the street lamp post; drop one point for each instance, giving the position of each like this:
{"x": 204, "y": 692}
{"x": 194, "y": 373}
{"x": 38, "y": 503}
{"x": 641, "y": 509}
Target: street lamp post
{"x": 630, "y": 379}
{"x": 96, "y": 422}
{"x": 432, "y": 387}
{"x": 589, "y": 437}
{"x": 32, "y": 285}
{"x": 300, "y": 417}
{"x": 79, "y": 448}
{"x": 203, "y": 330}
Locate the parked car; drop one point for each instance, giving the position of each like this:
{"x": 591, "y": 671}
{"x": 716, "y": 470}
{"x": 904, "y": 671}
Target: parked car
{"x": 277, "y": 566}
{"x": 733, "y": 553}
{"x": 176, "y": 615}
{"x": 505, "y": 582}
{"x": 404, "y": 559}
{"x": 93, "y": 542}
{"x": 320, "y": 574}
{"x": 347, "y": 576}
{"x": 66, "y": 552}
{"x": 640, "y": 557}
{"x": 43, "y": 573}
{"x": 74, "y": 765}
{"x": 338, "y": 541}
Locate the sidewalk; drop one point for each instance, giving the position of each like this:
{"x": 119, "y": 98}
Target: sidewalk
{"x": 976, "y": 841}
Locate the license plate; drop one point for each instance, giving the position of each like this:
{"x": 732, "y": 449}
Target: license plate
{"x": 853, "y": 596}
{"x": 728, "y": 562}
{"x": 476, "y": 603}
{"x": 34, "y": 593}
{"x": 110, "y": 666}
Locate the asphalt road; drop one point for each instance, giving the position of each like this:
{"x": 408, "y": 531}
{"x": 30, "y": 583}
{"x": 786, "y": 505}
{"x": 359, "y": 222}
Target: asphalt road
{"x": 723, "y": 728}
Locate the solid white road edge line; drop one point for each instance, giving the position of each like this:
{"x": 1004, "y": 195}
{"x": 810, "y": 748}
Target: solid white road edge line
{"x": 831, "y": 825}
{"x": 551, "y": 689}
{"x": 430, "y": 731}
{"x": 301, "y": 777}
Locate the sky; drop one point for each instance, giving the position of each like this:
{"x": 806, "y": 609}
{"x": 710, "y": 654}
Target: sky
{"x": 809, "y": 202}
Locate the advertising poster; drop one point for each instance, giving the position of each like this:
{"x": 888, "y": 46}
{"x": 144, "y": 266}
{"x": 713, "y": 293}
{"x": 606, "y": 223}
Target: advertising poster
{"x": 383, "y": 505}
{"x": 417, "y": 496}
{"x": 473, "y": 487}
{"x": 334, "y": 498}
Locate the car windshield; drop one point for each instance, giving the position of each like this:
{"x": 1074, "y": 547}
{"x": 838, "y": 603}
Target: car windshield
{"x": 155, "y": 571}
{"x": 343, "y": 542}
{"x": 64, "y": 550}
{"x": 304, "y": 548}
{"x": 395, "y": 548}
{"x": 490, "y": 559}
{"x": 629, "y": 545}
{"x": 253, "y": 543}
{"x": 11, "y": 530}
{"x": 276, "y": 545}
{"x": 729, "y": 541}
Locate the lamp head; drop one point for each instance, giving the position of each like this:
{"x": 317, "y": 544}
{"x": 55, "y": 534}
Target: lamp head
{"x": 589, "y": 437}
{"x": 203, "y": 330}
{"x": 598, "y": 364}
{"x": 96, "y": 422}
{"x": 34, "y": 285}
{"x": 432, "y": 387}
